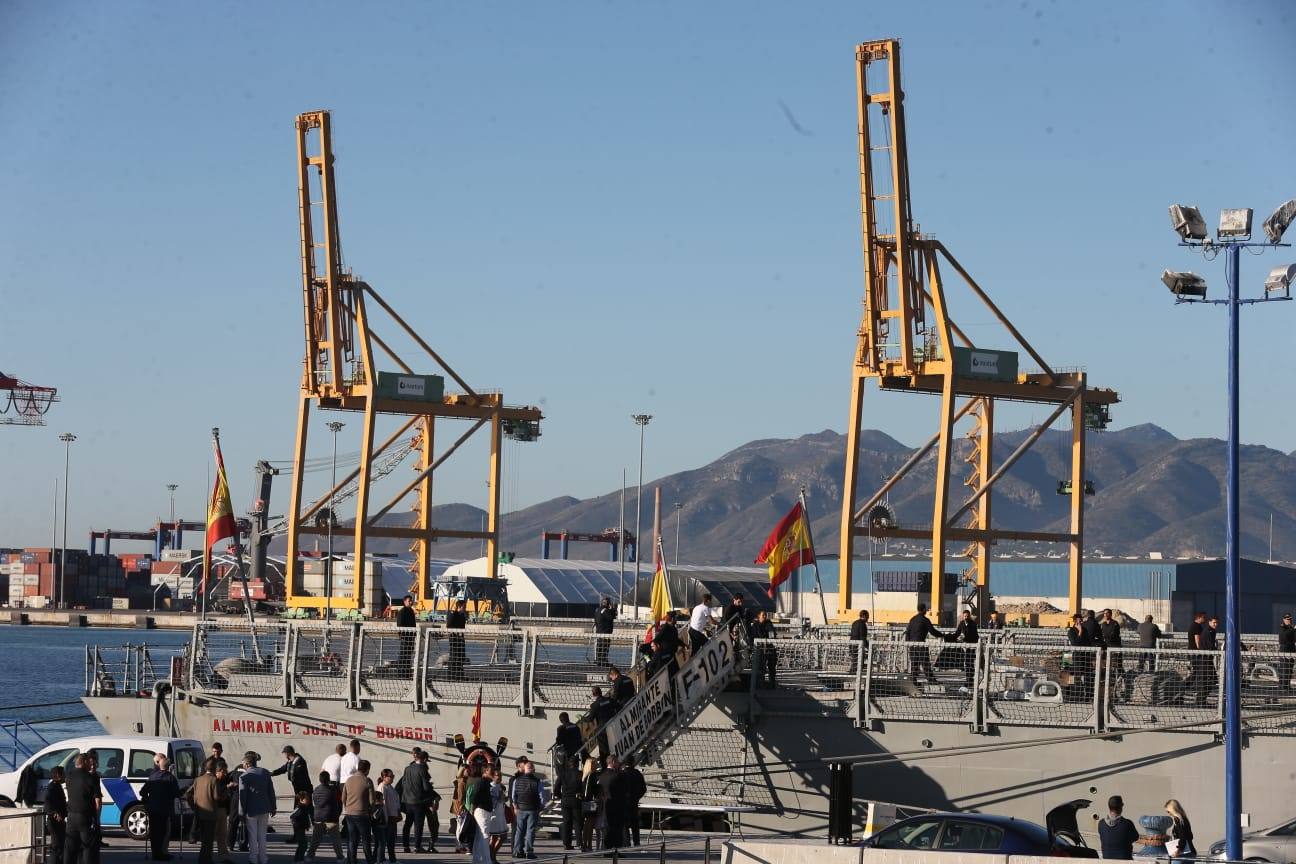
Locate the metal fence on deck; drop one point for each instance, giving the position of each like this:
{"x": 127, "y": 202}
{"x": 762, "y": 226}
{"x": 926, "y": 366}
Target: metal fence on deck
{"x": 1148, "y": 687}
{"x": 231, "y": 657}
{"x": 1268, "y": 697}
{"x": 566, "y": 666}
{"x": 386, "y": 669}
{"x": 934, "y": 681}
{"x": 460, "y": 664}
{"x": 806, "y": 674}
{"x": 1041, "y": 685}
{"x": 321, "y": 660}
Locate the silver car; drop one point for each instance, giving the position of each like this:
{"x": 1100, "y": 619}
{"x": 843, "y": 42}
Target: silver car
{"x": 1276, "y": 845}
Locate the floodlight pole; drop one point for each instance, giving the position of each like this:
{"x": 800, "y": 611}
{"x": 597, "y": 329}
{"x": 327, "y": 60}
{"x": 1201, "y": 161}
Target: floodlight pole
{"x": 1232, "y": 556}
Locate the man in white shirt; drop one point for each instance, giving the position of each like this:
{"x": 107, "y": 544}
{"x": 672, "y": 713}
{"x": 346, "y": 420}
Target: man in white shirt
{"x": 350, "y": 762}
{"x": 333, "y": 763}
{"x": 699, "y": 621}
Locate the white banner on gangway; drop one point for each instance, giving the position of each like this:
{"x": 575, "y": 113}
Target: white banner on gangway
{"x": 708, "y": 670}
{"x": 630, "y": 728}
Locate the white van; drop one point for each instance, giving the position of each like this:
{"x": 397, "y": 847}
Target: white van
{"x": 124, "y": 765}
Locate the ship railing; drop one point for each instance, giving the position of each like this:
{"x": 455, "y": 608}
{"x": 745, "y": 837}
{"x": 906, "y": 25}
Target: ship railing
{"x": 126, "y": 669}
{"x": 385, "y": 668}
{"x": 565, "y": 665}
{"x": 458, "y": 666}
{"x": 1042, "y": 685}
{"x": 237, "y": 659}
{"x": 933, "y": 681}
{"x": 798, "y": 676}
{"x": 1149, "y": 687}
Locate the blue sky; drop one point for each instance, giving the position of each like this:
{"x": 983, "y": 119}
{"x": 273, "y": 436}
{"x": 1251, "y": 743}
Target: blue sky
{"x": 603, "y": 208}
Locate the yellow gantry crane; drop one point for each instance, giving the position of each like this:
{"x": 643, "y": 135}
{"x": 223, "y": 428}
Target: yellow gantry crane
{"x": 340, "y": 373}
{"x": 909, "y": 343}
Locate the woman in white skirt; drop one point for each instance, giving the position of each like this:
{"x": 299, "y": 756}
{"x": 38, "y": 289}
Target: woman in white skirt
{"x": 497, "y": 825}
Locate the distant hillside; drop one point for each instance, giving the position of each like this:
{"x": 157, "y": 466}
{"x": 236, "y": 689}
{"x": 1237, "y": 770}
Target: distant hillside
{"x": 1155, "y": 493}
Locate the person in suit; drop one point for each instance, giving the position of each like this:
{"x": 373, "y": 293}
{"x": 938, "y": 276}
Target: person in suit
{"x": 299, "y": 776}
{"x": 56, "y": 813}
{"x": 916, "y": 633}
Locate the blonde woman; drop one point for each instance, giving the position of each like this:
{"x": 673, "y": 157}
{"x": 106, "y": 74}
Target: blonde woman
{"x": 589, "y": 798}
{"x": 1179, "y": 837}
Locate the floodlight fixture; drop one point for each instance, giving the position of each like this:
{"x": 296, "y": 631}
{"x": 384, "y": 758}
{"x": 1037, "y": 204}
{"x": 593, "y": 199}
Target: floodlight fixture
{"x": 1277, "y": 223}
{"x": 1184, "y": 284}
{"x": 1235, "y": 223}
{"x": 1280, "y": 280}
{"x": 1188, "y": 222}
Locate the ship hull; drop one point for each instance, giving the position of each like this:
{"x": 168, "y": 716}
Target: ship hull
{"x": 775, "y": 761}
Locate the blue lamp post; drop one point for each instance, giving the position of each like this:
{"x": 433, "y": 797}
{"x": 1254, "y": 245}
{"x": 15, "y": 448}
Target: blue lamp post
{"x": 1233, "y": 236}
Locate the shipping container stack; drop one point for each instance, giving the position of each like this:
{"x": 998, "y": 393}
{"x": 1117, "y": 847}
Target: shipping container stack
{"x": 312, "y": 581}
{"x": 173, "y": 578}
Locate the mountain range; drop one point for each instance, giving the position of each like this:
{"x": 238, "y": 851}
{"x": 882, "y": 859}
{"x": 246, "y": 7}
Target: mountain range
{"x": 1154, "y": 493}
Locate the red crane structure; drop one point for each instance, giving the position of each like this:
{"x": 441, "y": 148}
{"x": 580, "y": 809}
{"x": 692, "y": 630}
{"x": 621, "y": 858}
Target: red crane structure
{"x": 23, "y": 404}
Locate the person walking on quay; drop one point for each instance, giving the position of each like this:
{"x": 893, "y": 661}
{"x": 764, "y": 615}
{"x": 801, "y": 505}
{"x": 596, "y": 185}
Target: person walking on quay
{"x": 604, "y": 619}
{"x": 1148, "y": 633}
{"x": 480, "y": 806}
{"x": 416, "y": 795}
{"x": 224, "y": 806}
{"x": 326, "y": 812}
{"x": 763, "y": 628}
{"x": 700, "y": 620}
{"x": 299, "y": 776}
{"x": 159, "y": 794}
{"x": 590, "y": 804}
{"x": 83, "y": 801}
{"x": 456, "y": 621}
{"x": 1179, "y": 838}
{"x": 350, "y": 762}
{"x": 1287, "y": 648}
{"x": 257, "y": 801}
{"x": 56, "y": 813}
{"x": 568, "y": 738}
{"x": 567, "y": 790}
{"x": 357, "y": 813}
{"x": 498, "y": 822}
{"x": 527, "y": 794}
{"x": 204, "y": 797}
{"x": 636, "y": 789}
{"x": 1116, "y": 834}
{"x": 333, "y": 764}
{"x": 614, "y": 801}
{"x": 916, "y": 633}
{"x": 407, "y": 621}
{"x": 389, "y": 806}
{"x": 301, "y": 819}
{"x": 966, "y": 634}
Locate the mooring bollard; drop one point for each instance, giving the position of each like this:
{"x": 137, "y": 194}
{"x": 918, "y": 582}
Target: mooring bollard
{"x": 662, "y": 858}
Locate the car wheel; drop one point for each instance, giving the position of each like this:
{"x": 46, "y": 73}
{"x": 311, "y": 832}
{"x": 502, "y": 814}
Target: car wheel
{"x": 136, "y": 822}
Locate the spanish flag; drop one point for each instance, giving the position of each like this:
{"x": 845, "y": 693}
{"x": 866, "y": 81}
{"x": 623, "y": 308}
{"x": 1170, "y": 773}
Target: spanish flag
{"x": 220, "y": 512}
{"x": 660, "y": 604}
{"x": 787, "y": 547}
{"x": 476, "y": 720}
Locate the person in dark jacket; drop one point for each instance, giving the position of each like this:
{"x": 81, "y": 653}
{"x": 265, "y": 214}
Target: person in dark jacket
{"x": 1091, "y": 628}
{"x": 917, "y": 631}
{"x": 601, "y": 710}
{"x": 737, "y": 617}
{"x": 56, "y": 812}
{"x": 859, "y": 628}
{"x": 84, "y": 798}
{"x": 526, "y": 791}
{"x": 1148, "y": 633}
{"x": 614, "y": 798}
{"x": 159, "y": 794}
{"x": 1286, "y": 647}
{"x": 407, "y": 620}
{"x": 966, "y": 634}
{"x": 326, "y": 811}
{"x": 621, "y": 689}
{"x": 604, "y": 619}
{"x": 636, "y": 789}
{"x": 299, "y": 776}
{"x": 457, "y": 621}
{"x": 1110, "y": 631}
{"x": 567, "y": 791}
{"x": 1082, "y": 663}
{"x": 237, "y": 824}
{"x": 417, "y": 799}
{"x": 763, "y": 628}
{"x": 568, "y": 737}
{"x": 1116, "y": 833}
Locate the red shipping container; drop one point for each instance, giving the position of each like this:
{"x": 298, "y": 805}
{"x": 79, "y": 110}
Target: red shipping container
{"x": 47, "y": 584}
{"x": 256, "y": 588}
{"x": 168, "y": 568}
{"x": 31, "y": 590}
{"x": 31, "y": 569}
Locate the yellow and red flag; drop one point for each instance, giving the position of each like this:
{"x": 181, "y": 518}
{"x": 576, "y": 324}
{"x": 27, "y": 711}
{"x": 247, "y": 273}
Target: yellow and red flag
{"x": 660, "y": 604}
{"x": 220, "y": 511}
{"x": 788, "y": 547}
{"x": 476, "y": 720}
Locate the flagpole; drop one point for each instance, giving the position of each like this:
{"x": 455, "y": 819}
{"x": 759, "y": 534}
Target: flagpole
{"x": 823, "y": 606}
{"x": 206, "y": 562}
{"x": 238, "y": 554}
